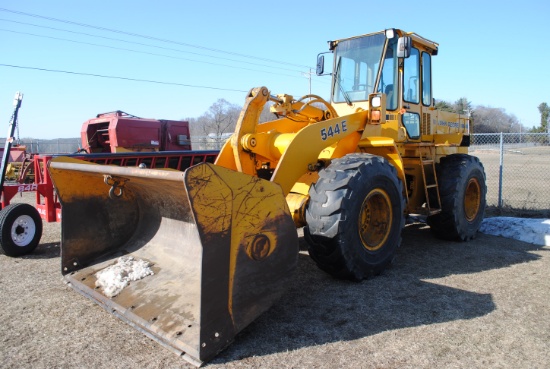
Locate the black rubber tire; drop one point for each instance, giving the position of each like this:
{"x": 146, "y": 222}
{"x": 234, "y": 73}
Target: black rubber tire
{"x": 459, "y": 175}
{"x": 20, "y": 229}
{"x": 337, "y": 203}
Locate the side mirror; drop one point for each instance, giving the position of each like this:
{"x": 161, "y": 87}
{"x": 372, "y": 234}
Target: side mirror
{"x": 404, "y": 47}
{"x": 320, "y": 65}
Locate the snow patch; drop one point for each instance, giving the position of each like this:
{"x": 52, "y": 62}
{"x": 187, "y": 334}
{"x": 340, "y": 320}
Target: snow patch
{"x": 535, "y": 231}
{"x": 114, "y": 278}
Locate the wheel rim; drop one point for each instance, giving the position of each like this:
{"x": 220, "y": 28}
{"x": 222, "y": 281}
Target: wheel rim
{"x": 472, "y": 199}
{"x": 23, "y": 230}
{"x": 375, "y": 219}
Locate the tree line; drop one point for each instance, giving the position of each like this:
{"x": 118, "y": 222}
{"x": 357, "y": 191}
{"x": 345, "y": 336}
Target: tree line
{"x": 219, "y": 121}
{"x": 486, "y": 119}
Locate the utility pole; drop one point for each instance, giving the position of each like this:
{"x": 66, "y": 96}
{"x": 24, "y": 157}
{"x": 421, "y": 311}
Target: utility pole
{"x": 308, "y": 76}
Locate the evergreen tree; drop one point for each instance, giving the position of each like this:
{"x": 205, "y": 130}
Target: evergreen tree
{"x": 463, "y": 106}
{"x": 544, "y": 111}
{"x": 444, "y": 106}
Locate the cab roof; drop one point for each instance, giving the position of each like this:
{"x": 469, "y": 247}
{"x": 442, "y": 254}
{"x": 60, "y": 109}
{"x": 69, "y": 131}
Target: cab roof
{"x": 430, "y": 46}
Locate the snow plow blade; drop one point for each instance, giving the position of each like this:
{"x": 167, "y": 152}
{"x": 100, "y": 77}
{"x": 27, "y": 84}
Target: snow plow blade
{"x": 218, "y": 246}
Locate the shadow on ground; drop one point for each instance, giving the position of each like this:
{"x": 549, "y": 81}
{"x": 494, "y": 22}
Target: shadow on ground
{"x": 318, "y": 309}
{"x": 44, "y": 251}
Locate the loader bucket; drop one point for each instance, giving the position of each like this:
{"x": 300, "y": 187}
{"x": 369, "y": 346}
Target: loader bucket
{"x": 219, "y": 246}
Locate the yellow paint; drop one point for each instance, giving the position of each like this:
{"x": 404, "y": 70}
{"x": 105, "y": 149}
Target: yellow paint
{"x": 74, "y": 185}
{"x": 303, "y": 152}
{"x": 245, "y": 206}
{"x": 449, "y": 139}
{"x": 247, "y": 123}
{"x": 472, "y": 199}
{"x": 375, "y": 219}
{"x": 386, "y": 148}
{"x": 297, "y": 204}
{"x": 225, "y": 157}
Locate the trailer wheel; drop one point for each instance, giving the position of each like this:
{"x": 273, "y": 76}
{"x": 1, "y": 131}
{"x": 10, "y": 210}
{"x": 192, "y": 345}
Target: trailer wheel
{"x": 355, "y": 216}
{"x": 20, "y": 229}
{"x": 462, "y": 190}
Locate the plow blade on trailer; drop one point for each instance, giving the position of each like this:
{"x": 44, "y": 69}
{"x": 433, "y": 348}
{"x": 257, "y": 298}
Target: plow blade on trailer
{"x": 218, "y": 246}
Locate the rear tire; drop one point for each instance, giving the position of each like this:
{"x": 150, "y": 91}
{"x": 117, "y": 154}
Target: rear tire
{"x": 20, "y": 229}
{"x": 355, "y": 216}
{"x": 462, "y": 190}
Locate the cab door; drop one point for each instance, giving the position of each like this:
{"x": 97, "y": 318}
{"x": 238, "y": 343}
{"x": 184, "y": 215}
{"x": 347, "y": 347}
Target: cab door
{"x": 412, "y": 107}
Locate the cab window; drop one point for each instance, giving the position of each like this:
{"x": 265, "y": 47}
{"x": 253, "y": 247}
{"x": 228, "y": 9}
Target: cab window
{"x": 411, "y": 121}
{"x": 410, "y": 76}
{"x": 426, "y": 79}
{"x": 388, "y": 77}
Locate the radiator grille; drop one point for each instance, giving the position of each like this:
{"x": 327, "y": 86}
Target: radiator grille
{"x": 426, "y": 124}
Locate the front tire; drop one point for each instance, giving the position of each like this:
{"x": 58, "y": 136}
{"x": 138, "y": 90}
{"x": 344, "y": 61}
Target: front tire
{"x": 20, "y": 229}
{"x": 355, "y": 216}
{"x": 462, "y": 190}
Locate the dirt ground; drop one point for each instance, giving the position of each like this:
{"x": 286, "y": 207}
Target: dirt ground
{"x": 441, "y": 304}
{"x": 525, "y": 178}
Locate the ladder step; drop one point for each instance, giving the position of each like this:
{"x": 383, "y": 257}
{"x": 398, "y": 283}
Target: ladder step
{"x": 431, "y": 189}
{"x": 426, "y": 211}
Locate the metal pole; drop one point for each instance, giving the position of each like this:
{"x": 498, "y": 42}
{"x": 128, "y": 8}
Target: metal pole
{"x": 310, "y": 74}
{"x": 9, "y": 139}
{"x": 500, "y": 169}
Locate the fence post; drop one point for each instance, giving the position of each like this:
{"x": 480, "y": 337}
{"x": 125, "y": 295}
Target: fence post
{"x": 500, "y": 171}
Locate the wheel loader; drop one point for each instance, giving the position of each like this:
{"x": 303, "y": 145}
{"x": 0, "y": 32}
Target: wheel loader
{"x": 220, "y": 239}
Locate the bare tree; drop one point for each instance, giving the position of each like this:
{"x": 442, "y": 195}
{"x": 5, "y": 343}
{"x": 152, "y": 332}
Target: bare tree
{"x": 213, "y": 127}
{"x": 495, "y": 120}
{"x": 220, "y": 118}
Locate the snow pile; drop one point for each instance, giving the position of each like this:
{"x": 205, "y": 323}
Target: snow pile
{"x": 536, "y": 231}
{"x": 117, "y": 276}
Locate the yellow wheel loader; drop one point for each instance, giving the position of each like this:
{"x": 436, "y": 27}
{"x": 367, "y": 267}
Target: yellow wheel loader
{"x": 219, "y": 240}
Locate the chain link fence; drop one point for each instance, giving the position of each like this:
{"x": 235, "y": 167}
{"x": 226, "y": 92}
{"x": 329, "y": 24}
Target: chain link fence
{"x": 517, "y": 166}
{"x": 210, "y": 142}
{"x": 55, "y": 146}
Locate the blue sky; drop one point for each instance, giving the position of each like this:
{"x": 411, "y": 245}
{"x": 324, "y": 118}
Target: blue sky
{"x": 495, "y": 55}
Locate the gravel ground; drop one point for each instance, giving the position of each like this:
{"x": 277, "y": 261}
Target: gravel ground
{"x": 441, "y": 304}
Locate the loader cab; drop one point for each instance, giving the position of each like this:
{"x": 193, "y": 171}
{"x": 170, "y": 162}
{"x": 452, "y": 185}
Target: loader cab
{"x": 392, "y": 63}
